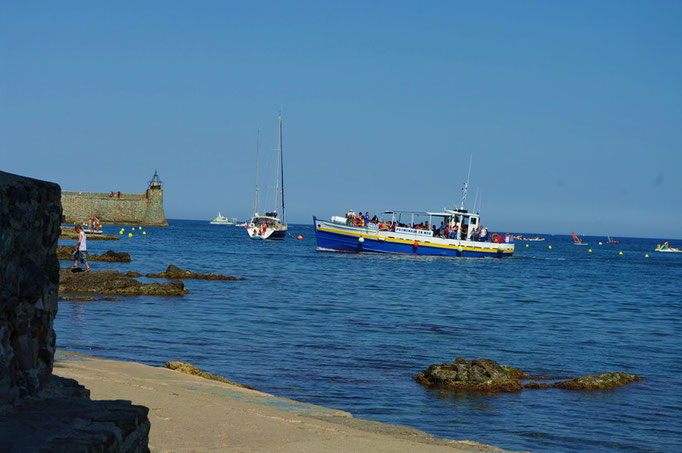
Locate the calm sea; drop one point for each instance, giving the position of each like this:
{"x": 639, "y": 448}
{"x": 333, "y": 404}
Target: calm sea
{"x": 349, "y": 331}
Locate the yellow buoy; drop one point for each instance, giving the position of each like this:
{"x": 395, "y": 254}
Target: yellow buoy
{"x": 526, "y": 245}
{"x": 589, "y": 250}
{"x": 144, "y": 232}
{"x": 620, "y": 253}
{"x": 646, "y": 256}
{"x": 133, "y": 228}
{"x": 130, "y": 235}
{"x": 549, "y": 247}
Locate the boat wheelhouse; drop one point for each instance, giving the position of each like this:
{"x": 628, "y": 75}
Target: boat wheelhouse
{"x": 452, "y": 233}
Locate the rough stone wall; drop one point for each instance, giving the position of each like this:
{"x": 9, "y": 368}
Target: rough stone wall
{"x": 30, "y": 214}
{"x": 128, "y": 209}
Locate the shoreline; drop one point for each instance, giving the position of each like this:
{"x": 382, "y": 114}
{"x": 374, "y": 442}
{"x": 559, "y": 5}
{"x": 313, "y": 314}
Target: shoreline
{"x": 191, "y": 413}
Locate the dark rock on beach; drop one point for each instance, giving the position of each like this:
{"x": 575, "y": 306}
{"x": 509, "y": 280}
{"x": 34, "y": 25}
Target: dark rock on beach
{"x": 64, "y": 252}
{"x": 133, "y": 274}
{"x": 113, "y": 282}
{"x": 479, "y": 375}
{"x": 174, "y": 272}
{"x": 188, "y": 368}
{"x": 603, "y": 381}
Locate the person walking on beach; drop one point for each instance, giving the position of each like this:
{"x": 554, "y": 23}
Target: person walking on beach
{"x": 80, "y": 254}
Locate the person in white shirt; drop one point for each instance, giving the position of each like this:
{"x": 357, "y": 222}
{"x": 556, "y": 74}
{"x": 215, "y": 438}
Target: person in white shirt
{"x": 81, "y": 252}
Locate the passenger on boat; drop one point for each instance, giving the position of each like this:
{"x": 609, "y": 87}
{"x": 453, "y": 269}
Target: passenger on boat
{"x": 484, "y": 234}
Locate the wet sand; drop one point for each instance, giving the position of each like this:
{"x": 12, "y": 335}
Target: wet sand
{"x": 190, "y": 413}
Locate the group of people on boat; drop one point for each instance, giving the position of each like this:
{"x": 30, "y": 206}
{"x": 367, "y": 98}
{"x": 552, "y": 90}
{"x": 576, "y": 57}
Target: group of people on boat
{"x": 93, "y": 224}
{"x": 445, "y": 231}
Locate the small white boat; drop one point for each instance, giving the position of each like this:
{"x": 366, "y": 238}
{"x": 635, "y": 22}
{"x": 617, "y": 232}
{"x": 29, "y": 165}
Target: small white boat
{"x": 88, "y": 231}
{"x": 665, "y": 248}
{"x": 221, "y": 220}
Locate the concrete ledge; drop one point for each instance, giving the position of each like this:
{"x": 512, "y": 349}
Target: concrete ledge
{"x": 189, "y": 413}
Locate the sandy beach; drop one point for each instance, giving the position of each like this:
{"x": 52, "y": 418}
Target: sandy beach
{"x": 190, "y": 413}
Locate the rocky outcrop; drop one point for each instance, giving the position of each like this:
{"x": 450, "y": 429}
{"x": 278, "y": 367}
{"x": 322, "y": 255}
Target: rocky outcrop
{"x": 29, "y": 275}
{"x": 69, "y": 233}
{"x": 64, "y": 419}
{"x": 487, "y": 376}
{"x": 64, "y": 252}
{"x": 114, "y": 282}
{"x": 188, "y": 368}
{"x": 603, "y": 381}
{"x": 174, "y": 272}
{"x": 479, "y": 375}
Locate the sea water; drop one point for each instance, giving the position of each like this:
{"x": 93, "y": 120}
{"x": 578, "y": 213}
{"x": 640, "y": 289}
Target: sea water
{"x": 350, "y": 331}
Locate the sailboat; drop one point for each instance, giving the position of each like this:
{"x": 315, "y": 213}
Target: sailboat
{"x": 270, "y": 226}
{"x": 577, "y": 240}
{"x": 611, "y": 240}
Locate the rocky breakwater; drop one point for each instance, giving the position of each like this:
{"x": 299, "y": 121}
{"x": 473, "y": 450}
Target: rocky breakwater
{"x": 64, "y": 252}
{"x": 71, "y": 234}
{"x": 114, "y": 282}
{"x": 174, "y": 272}
{"x": 487, "y": 376}
{"x": 40, "y": 411}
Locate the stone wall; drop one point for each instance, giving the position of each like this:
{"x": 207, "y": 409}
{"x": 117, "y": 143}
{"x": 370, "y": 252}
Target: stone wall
{"x": 30, "y": 214}
{"x": 39, "y": 411}
{"x": 127, "y": 209}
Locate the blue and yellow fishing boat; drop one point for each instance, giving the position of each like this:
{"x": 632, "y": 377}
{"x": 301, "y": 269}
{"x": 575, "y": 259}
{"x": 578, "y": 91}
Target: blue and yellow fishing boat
{"x": 452, "y": 233}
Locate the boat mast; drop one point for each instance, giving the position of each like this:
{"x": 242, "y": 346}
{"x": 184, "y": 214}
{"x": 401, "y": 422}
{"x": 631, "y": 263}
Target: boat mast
{"x": 281, "y": 165}
{"x": 255, "y": 207}
{"x": 466, "y": 185}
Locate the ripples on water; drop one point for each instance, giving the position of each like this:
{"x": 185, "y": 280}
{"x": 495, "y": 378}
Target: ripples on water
{"x": 350, "y": 331}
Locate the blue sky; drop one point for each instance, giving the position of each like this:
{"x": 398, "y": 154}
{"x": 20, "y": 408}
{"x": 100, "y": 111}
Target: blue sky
{"x": 572, "y": 112}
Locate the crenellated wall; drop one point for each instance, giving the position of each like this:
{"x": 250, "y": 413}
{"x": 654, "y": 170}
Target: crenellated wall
{"x": 124, "y": 209}
{"x": 30, "y": 215}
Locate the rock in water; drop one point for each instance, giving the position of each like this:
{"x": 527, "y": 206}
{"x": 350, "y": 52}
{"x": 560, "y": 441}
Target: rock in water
{"x": 173, "y": 272}
{"x": 478, "y": 375}
{"x": 113, "y": 282}
{"x": 603, "y": 381}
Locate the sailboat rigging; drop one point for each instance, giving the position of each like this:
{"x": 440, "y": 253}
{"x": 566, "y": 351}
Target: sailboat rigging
{"x": 270, "y": 226}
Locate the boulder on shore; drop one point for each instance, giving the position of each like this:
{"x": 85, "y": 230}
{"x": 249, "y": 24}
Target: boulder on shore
{"x": 478, "y": 375}
{"x": 174, "y": 272}
{"x": 114, "y": 282}
{"x": 65, "y": 253}
{"x": 188, "y": 368}
{"x": 603, "y": 381}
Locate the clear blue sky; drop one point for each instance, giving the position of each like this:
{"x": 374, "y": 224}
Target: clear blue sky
{"x": 572, "y": 111}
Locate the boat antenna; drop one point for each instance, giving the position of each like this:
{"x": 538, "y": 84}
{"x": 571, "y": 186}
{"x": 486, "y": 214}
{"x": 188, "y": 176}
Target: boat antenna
{"x": 466, "y": 184}
{"x": 475, "y": 200}
{"x": 281, "y": 166}
{"x": 255, "y": 207}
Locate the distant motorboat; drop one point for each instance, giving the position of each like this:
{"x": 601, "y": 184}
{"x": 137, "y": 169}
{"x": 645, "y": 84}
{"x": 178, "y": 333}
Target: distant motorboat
{"x": 611, "y": 240}
{"x": 221, "y": 220}
{"x": 577, "y": 240}
{"x": 666, "y": 248}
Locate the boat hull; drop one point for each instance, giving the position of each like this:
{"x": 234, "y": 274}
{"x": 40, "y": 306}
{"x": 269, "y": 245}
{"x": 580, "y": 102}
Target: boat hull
{"x": 336, "y": 237}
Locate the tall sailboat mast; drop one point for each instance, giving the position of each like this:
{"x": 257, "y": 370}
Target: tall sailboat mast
{"x": 255, "y": 207}
{"x": 281, "y": 165}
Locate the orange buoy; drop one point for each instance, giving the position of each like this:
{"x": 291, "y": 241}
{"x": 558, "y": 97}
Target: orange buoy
{"x": 416, "y": 244}
{"x": 299, "y": 237}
